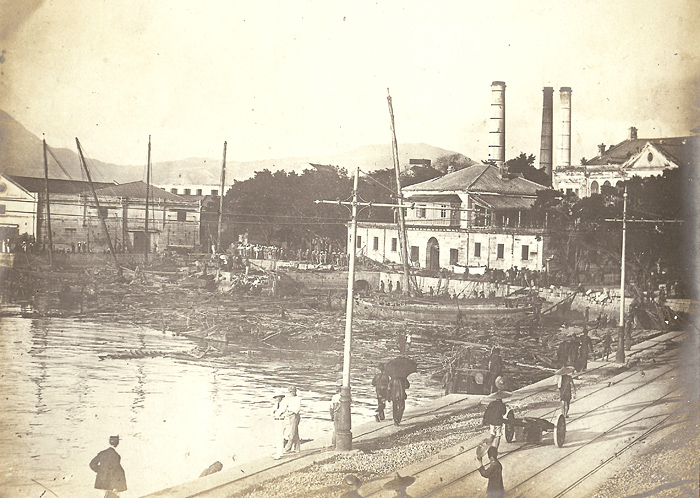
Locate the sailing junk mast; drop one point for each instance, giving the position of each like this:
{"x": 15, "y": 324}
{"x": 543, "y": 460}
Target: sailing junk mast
{"x": 221, "y": 201}
{"x": 403, "y": 239}
{"x": 148, "y": 192}
{"x": 99, "y": 211}
{"x": 48, "y": 209}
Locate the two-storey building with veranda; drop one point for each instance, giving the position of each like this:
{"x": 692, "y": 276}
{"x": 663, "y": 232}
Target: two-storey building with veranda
{"x": 474, "y": 217}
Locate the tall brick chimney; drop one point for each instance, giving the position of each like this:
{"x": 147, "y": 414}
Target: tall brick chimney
{"x": 547, "y": 137}
{"x": 633, "y": 133}
{"x": 497, "y": 133}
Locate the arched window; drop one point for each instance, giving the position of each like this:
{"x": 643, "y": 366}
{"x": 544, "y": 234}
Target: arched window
{"x": 606, "y": 183}
{"x": 595, "y": 188}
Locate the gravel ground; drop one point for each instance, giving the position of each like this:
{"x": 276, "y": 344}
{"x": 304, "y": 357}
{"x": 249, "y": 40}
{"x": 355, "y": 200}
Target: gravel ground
{"x": 670, "y": 472}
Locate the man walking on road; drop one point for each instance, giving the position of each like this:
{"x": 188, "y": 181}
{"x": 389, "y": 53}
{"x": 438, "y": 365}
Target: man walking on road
{"x": 494, "y": 473}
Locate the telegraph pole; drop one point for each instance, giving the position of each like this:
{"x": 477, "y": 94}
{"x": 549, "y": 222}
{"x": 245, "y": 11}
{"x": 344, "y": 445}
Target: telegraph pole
{"x": 620, "y": 354}
{"x": 148, "y": 192}
{"x": 343, "y": 438}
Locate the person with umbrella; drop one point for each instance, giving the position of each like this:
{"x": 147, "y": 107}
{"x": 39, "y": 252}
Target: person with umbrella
{"x": 399, "y": 369}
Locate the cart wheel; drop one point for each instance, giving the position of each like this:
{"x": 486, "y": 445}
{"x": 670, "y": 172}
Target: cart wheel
{"x": 509, "y": 429}
{"x": 560, "y": 434}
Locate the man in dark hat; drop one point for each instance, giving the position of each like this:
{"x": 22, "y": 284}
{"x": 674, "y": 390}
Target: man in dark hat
{"x": 381, "y": 384}
{"x": 494, "y": 473}
{"x": 110, "y": 474}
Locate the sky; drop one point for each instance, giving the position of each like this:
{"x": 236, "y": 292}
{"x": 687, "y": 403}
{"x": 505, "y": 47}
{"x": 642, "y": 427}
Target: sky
{"x": 300, "y": 78}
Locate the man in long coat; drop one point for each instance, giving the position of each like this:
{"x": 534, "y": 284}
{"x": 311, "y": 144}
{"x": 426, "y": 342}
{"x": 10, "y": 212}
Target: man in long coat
{"x": 397, "y": 391}
{"x": 110, "y": 474}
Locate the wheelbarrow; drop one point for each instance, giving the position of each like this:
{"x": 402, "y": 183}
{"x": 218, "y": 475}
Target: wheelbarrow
{"x": 531, "y": 429}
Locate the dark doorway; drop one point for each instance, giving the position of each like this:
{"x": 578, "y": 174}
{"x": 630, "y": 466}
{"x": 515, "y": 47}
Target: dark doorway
{"x": 432, "y": 255}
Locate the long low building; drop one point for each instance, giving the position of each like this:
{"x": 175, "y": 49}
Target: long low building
{"x": 478, "y": 216}
{"x": 75, "y": 219}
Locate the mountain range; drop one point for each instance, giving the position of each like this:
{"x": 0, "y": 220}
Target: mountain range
{"x": 21, "y": 154}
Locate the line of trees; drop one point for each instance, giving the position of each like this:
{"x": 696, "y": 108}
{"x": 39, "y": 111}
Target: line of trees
{"x": 279, "y": 209}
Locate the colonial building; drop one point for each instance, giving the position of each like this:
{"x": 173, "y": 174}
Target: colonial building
{"x": 76, "y": 225}
{"x": 643, "y": 157}
{"x": 474, "y": 217}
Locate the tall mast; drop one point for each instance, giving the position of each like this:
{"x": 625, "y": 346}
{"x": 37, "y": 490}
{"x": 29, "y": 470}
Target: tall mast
{"x": 221, "y": 201}
{"x": 48, "y": 208}
{"x": 148, "y": 193}
{"x": 403, "y": 239}
{"x": 99, "y": 211}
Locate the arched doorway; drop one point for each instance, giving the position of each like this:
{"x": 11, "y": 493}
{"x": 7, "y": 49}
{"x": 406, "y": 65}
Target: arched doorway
{"x": 595, "y": 189}
{"x": 432, "y": 254}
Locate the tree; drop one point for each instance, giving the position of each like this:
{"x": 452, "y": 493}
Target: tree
{"x": 523, "y": 165}
{"x": 452, "y": 162}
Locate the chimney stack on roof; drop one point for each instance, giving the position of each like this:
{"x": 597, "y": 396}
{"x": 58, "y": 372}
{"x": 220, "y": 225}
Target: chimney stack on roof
{"x": 633, "y": 133}
{"x": 547, "y": 140}
{"x": 601, "y": 149}
{"x": 565, "y": 149}
{"x": 497, "y": 133}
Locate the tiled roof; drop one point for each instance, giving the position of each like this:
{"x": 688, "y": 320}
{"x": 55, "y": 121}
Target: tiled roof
{"x": 137, "y": 190}
{"x": 445, "y": 199}
{"x": 32, "y": 184}
{"x": 478, "y": 178}
{"x": 679, "y": 148}
{"x": 505, "y": 202}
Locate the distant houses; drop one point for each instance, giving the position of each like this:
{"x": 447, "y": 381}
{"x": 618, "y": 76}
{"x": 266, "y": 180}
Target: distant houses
{"x": 173, "y": 221}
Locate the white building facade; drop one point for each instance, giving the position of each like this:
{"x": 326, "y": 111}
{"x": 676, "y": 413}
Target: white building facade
{"x": 473, "y": 217}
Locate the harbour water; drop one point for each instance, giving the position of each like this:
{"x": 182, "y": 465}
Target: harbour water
{"x": 176, "y": 414}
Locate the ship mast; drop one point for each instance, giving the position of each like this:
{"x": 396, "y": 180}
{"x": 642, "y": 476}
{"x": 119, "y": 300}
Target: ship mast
{"x": 403, "y": 239}
{"x": 99, "y": 211}
{"x": 48, "y": 209}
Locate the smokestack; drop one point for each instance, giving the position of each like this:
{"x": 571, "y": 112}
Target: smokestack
{"x": 547, "y": 141}
{"x": 497, "y": 133}
{"x": 565, "y": 96}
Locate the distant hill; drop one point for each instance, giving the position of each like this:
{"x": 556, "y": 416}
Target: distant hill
{"x": 21, "y": 154}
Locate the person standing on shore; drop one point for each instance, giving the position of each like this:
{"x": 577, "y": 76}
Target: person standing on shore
{"x": 381, "y": 385}
{"x": 397, "y": 390}
{"x": 292, "y": 413}
{"x": 494, "y": 473}
{"x": 278, "y": 418}
{"x": 110, "y": 474}
{"x": 495, "y": 368}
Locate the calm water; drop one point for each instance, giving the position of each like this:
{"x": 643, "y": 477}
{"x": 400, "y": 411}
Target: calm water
{"x": 175, "y": 415}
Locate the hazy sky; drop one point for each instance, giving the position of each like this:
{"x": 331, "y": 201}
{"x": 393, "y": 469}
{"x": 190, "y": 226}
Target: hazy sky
{"x": 296, "y": 78}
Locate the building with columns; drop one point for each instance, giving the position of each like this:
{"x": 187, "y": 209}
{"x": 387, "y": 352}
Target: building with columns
{"x": 634, "y": 156}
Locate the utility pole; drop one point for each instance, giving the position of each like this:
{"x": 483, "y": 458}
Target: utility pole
{"x": 620, "y": 354}
{"x": 221, "y": 201}
{"x": 148, "y": 192}
{"x": 99, "y": 211}
{"x": 403, "y": 238}
{"x": 48, "y": 208}
{"x": 343, "y": 439}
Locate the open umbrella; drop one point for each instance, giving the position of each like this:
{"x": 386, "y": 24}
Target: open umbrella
{"x": 400, "y": 367}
